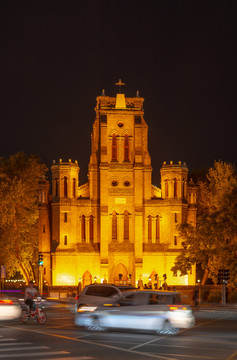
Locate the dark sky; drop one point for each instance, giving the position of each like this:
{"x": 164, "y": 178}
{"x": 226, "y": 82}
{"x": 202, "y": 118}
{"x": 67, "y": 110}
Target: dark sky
{"x": 57, "y": 56}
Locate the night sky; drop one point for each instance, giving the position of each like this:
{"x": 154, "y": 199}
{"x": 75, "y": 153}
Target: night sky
{"x": 58, "y": 56}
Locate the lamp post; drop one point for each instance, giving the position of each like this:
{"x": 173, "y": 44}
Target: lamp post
{"x": 199, "y": 292}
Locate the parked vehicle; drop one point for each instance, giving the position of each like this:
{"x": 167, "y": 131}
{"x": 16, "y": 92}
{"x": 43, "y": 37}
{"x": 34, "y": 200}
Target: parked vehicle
{"x": 96, "y": 294}
{"x": 10, "y": 309}
{"x": 39, "y": 315}
{"x": 149, "y": 310}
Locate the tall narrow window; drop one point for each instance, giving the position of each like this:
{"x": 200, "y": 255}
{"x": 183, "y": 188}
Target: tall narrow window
{"x": 43, "y": 229}
{"x": 83, "y": 228}
{"x": 65, "y": 186}
{"x": 74, "y": 188}
{"x": 114, "y": 226}
{"x": 65, "y": 217}
{"x": 175, "y": 188}
{"x": 126, "y": 148}
{"x": 114, "y": 147}
{"x": 149, "y": 228}
{"x": 65, "y": 239}
{"x": 183, "y": 185}
{"x": 166, "y": 188}
{"x": 175, "y": 217}
{"x": 175, "y": 240}
{"x": 157, "y": 228}
{"x": 126, "y": 226}
{"x": 56, "y": 187}
{"x": 91, "y": 229}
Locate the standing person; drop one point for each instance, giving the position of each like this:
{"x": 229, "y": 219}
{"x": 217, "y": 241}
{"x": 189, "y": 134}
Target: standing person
{"x": 30, "y": 294}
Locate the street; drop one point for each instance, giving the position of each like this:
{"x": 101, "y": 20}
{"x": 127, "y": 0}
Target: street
{"x": 213, "y": 337}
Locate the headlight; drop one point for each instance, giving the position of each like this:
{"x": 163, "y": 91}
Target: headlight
{"x": 87, "y": 308}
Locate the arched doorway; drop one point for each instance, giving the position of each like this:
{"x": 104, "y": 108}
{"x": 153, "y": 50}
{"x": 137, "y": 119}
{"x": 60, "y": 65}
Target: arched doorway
{"x": 120, "y": 275}
{"x": 86, "y": 279}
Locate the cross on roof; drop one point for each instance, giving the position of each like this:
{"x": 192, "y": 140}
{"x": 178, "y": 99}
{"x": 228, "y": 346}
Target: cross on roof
{"x": 120, "y": 83}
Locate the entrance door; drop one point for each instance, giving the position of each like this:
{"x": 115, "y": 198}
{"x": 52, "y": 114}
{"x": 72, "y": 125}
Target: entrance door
{"x": 120, "y": 275}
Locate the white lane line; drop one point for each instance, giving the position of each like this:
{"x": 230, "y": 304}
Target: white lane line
{"x": 151, "y": 341}
{"x": 94, "y": 343}
{"x": 8, "y": 340}
{"x": 17, "y": 343}
{"x": 75, "y": 358}
{"x": 33, "y": 355}
{"x": 26, "y": 348}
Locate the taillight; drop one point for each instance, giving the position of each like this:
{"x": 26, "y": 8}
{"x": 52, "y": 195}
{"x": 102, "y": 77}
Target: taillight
{"x": 87, "y": 308}
{"x": 6, "y": 302}
{"x": 177, "y": 307}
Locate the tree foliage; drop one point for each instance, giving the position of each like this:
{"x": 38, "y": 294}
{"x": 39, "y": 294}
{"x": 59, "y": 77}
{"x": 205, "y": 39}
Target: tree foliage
{"x": 19, "y": 193}
{"x": 213, "y": 241}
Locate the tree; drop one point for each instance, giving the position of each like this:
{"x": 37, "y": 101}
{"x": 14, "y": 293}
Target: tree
{"x": 19, "y": 193}
{"x": 213, "y": 242}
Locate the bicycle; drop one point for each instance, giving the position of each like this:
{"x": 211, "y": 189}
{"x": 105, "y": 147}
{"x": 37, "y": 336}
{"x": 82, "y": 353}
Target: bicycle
{"x": 39, "y": 315}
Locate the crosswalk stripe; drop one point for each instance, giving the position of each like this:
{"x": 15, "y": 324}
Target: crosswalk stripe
{"x": 75, "y": 358}
{"x": 14, "y": 344}
{"x": 33, "y": 354}
{"x": 25, "y": 348}
{"x": 8, "y": 340}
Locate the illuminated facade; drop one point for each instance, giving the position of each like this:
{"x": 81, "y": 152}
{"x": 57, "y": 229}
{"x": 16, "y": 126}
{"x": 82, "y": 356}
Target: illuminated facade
{"x": 118, "y": 227}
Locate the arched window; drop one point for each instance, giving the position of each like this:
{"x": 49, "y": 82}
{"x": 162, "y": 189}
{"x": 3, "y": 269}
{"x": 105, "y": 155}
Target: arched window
{"x": 149, "y": 228}
{"x": 114, "y": 226}
{"x": 114, "y": 147}
{"x": 83, "y": 228}
{"x": 74, "y": 188}
{"x": 126, "y": 148}
{"x": 91, "y": 228}
{"x": 157, "y": 228}
{"x": 65, "y": 186}
{"x": 126, "y": 226}
{"x": 166, "y": 188}
{"x": 175, "y": 188}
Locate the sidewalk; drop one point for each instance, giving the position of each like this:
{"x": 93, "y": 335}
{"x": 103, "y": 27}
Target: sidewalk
{"x": 216, "y": 307}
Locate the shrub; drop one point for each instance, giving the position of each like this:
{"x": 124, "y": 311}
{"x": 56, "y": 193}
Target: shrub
{"x": 214, "y": 297}
{"x": 232, "y": 297}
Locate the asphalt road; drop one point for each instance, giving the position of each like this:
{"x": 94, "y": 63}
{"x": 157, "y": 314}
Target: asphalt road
{"x": 213, "y": 337}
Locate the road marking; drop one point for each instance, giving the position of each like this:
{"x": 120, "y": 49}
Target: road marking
{"x": 7, "y": 340}
{"x": 231, "y": 357}
{"x": 17, "y": 343}
{"x": 75, "y": 358}
{"x": 94, "y": 343}
{"x": 151, "y": 341}
{"x": 34, "y": 354}
{"x": 26, "y": 348}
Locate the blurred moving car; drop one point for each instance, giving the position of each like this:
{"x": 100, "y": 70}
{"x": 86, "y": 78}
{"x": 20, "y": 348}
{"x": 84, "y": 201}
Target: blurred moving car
{"x": 96, "y": 294}
{"x": 10, "y": 309}
{"x": 152, "y": 310}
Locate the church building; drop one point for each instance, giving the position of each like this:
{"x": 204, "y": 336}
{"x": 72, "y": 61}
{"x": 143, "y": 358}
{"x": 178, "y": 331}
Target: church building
{"x": 118, "y": 227}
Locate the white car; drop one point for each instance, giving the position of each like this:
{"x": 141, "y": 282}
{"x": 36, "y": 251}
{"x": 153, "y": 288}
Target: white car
{"x": 152, "y": 310}
{"x": 9, "y": 309}
{"x": 97, "y": 294}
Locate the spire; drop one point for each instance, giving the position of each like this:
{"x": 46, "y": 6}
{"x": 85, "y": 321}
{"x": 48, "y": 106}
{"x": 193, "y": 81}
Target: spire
{"x": 120, "y": 97}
